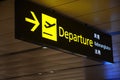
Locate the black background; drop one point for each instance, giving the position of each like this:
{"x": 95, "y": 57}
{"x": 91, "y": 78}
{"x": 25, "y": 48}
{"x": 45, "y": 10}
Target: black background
{"x": 22, "y": 31}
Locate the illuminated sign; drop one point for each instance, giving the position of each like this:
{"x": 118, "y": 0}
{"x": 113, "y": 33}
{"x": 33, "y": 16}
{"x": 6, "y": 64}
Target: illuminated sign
{"x": 44, "y": 26}
{"x": 49, "y": 27}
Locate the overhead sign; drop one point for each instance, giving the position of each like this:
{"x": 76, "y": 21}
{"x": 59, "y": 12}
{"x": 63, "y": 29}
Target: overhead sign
{"x": 44, "y": 26}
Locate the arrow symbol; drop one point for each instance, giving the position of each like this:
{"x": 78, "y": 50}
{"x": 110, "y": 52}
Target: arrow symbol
{"x": 35, "y": 21}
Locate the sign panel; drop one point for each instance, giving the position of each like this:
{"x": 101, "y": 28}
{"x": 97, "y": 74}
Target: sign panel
{"x": 40, "y": 25}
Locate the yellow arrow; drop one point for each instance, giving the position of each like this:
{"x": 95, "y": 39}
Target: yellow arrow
{"x": 35, "y": 21}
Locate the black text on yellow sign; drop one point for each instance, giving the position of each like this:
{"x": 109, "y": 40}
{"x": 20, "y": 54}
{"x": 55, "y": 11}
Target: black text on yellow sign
{"x": 49, "y": 27}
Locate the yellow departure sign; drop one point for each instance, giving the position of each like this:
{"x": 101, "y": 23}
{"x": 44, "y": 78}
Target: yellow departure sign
{"x": 43, "y": 26}
{"x": 74, "y": 37}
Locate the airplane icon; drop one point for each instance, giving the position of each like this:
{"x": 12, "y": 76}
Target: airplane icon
{"x": 49, "y": 25}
